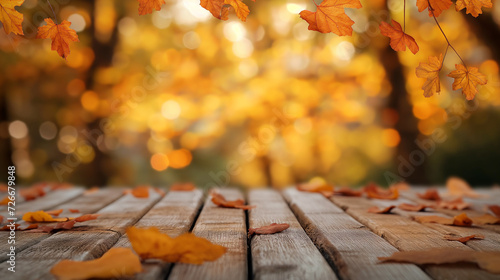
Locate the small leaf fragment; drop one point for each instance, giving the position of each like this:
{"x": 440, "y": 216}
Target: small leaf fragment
{"x": 463, "y": 239}
{"x": 270, "y": 229}
{"x": 399, "y": 39}
{"x": 219, "y": 200}
{"x": 376, "y": 210}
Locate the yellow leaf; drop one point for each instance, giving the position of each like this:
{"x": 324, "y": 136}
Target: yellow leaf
{"x": 467, "y": 79}
{"x": 115, "y": 263}
{"x": 60, "y": 34}
{"x": 473, "y": 6}
{"x": 41, "y": 216}
{"x": 187, "y": 248}
{"x": 430, "y": 71}
{"x": 11, "y": 19}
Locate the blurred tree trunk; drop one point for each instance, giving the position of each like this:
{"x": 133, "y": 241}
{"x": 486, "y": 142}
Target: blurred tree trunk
{"x": 5, "y": 144}
{"x": 487, "y": 30}
{"x": 103, "y": 52}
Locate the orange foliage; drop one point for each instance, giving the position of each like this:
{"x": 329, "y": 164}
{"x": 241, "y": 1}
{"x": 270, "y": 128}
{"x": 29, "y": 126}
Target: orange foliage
{"x": 147, "y": 6}
{"x": 437, "y": 6}
{"x": 430, "y": 72}
{"x": 473, "y": 6}
{"x": 467, "y": 79}
{"x": 399, "y": 39}
{"x": 331, "y": 17}
{"x": 373, "y": 191}
{"x": 11, "y": 19}
{"x": 219, "y": 200}
{"x": 60, "y": 34}
{"x": 463, "y": 239}
{"x": 270, "y": 229}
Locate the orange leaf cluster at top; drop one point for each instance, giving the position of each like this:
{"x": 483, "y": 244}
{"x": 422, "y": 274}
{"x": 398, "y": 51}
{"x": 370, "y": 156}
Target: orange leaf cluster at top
{"x": 219, "y": 200}
{"x": 438, "y": 6}
{"x": 473, "y": 6}
{"x": 187, "y": 248}
{"x": 330, "y": 16}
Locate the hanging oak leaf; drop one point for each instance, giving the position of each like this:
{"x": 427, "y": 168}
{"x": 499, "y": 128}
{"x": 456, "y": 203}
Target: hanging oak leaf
{"x": 399, "y": 39}
{"x": 11, "y": 19}
{"x": 438, "y": 6}
{"x": 331, "y": 17}
{"x": 115, "y": 263}
{"x": 430, "y": 72}
{"x": 467, "y": 79}
{"x": 473, "y": 6}
{"x": 187, "y": 248}
{"x": 60, "y": 34}
{"x": 147, "y": 6}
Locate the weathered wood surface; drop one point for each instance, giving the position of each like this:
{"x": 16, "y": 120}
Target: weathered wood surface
{"x": 408, "y": 235}
{"x": 348, "y": 245}
{"x": 83, "y": 243}
{"x": 226, "y": 227}
{"x": 173, "y": 215}
{"x": 286, "y": 255}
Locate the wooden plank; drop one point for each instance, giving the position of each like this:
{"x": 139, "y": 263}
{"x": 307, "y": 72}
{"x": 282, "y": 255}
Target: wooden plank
{"x": 86, "y": 203}
{"x": 173, "y": 215}
{"x": 286, "y": 255}
{"x": 348, "y": 246}
{"x": 226, "y": 227}
{"x": 408, "y": 235}
{"x": 83, "y": 244}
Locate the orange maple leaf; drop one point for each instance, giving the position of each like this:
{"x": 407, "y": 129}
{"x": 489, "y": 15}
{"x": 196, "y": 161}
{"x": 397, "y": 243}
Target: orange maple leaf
{"x": 430, "y": 71}
{"x": 467, "y": 79}
{"x": 473, "y": 6}
{"x": 399, "y": 39}
{"x": 60, "y": 34}
{"x": 330, "y": 17}
{"x": 115, "y": 263}
{"x": 147, "y": 6}
{"x": 438, "y": 6}
{"x": 220, "y": 8}
{"x": 11, "y": 19}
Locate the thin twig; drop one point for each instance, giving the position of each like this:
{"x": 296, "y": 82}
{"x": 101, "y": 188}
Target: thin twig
{"x": 55, "y": 17}
{"x": 404, "y": 16}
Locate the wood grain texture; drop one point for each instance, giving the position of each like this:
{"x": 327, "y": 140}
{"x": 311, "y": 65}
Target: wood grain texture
{"x": 348, "y": 246}
{"x": 86, "y": 203}
{"x": 286, "y": 255}
{"x": 226, "y": 227}
{"x": 85, "y": 242}
{"x": 173, "y": 215}
{"x": 408, "y": 235}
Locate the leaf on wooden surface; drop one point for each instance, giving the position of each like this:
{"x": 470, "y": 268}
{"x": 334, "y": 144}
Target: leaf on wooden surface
{"x": 344, "y": 191}
{"x": 74, "y": 210}
{"x": 486, "y": 260}
{"x": 463, "y": 239}
{"x": 115, "y": 263}
{"x": 459, "y": 220}
{"x": 430, "y": 194}
{"x": 412, "y": 207}
{"x": 139, "y": 191}
{"x": 462, "y": 220}
{"x": 54, "y": 212}
{"x": 91, "y": 190}
{"x": 33, "y": 192}
{"x": 187, "y": 248}
{"x": 270, "y": 229}
{"x": 386, "y": 210}
{"x": 41, "y": 217}
{"x": 58, "y": 226}
{"x": 325, "y": 189}
{"x": 11, "y": 19}
{"x": 374, "y": 191}
{"x": 60, "y": 186}
{"x": 219, "y": 200}
{"x": 147, "y": 6}
{"x": 454, "y": 204}
{"x": 473, "y": 6}
{"x": 486, "y": 219}
{"x": 183, "y": 187}
{"x": 467, "y": 79}
{"x": 330, "y": 16}
{"x": 438, "y": 6}
{"x": 401, "y": 186}
{"x": 430, "y": 72}
{"x": 18, "y": 227}
{"x": 60, "y": 34}
{"x": 495, "y": 209}
{"x": 87, "y": 217}
{"x": 399, "y": 39}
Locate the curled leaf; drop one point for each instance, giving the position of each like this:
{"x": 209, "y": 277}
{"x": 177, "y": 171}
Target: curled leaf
{"x": 219, "y": 200}
{"x": 240, "y": 8}
{"x": 486, "y": 260}
{"x": 373, "y": 191}
{"x": 377, "y": 210}
{"x": 58, "y": 226}
{"x": 412, "y": 207}
{"x": 60, "y": 34}
{"x": 115, "y": 263}
{"x": 467, "y": 79}
{"x": 473, "y": 6}
{"x": 399, "y": 39}
{"x": 186, "y": 248}
{"x": 462, "y": 220}
{"x": 430, "y": 194}
{"x": 463, "y": 239}
{"x": 270, "y": 229}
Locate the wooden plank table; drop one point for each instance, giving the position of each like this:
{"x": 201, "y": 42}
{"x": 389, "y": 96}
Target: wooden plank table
{"x": 332, "y": 238}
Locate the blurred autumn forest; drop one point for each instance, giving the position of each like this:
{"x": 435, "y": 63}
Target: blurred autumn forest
{"x": 178, "y": 95}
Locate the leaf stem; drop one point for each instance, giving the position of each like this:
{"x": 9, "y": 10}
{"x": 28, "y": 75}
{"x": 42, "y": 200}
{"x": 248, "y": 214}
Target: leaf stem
{"x": 404, "y": 16}
{"x": 52, "y": 9}
{"x": 315, "y": 3}
{"x": 442, "y": 32}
